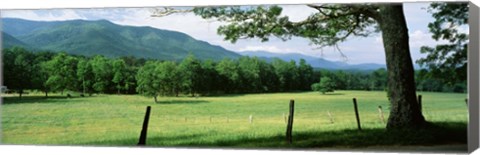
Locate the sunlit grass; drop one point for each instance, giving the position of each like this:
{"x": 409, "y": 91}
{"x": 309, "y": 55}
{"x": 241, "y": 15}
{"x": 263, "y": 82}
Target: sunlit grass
{"x": 220, "y": 121}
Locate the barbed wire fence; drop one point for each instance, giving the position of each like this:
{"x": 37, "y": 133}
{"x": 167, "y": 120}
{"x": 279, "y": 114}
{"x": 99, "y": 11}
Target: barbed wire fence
{"x": 131, "y": 122}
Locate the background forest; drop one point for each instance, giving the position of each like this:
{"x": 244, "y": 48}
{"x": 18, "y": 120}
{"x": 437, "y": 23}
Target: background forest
{"x": 60, "y": 72}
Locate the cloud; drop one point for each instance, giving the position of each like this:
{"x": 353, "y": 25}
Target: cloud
{"x": 43, "y": 15}
{"x": 269, "y": 48}
{"x": 358, "y": 50}
{"x": 293, "y": 13}
{"x": 419, "y": 38}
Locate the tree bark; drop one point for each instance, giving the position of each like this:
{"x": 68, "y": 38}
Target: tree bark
{"x": 405, "y": 112}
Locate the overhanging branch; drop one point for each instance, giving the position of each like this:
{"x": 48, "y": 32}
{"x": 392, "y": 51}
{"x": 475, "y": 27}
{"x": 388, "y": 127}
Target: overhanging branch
{"x": 166, "y": 11}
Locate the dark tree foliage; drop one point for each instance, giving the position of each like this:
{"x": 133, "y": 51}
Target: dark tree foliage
{"x": 147, "y": 83}
{"x": 325, "y": 85}
{"x": 192, "y": 71}
{"x": 62, "y": 71}
{"x": 40, "y": 71}
{"x": 18, "y": 69}
{"x": 85, "y": 76}
{"x": 447, "y": 62}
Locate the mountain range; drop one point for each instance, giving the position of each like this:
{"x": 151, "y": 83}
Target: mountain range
{"x": 313, "y": 61}
{"x": 102, "y": 37}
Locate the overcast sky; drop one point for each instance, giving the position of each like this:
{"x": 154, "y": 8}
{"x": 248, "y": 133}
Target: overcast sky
{"x": 357, "y": 50}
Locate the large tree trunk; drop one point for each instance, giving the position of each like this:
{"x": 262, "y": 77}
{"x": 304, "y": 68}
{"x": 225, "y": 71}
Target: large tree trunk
{"x": 405, "y": 112}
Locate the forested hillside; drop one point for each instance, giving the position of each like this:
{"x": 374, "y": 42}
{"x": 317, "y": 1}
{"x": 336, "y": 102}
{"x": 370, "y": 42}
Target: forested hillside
{"x": 102, "y": 37}
{"x": 60, "y": 72}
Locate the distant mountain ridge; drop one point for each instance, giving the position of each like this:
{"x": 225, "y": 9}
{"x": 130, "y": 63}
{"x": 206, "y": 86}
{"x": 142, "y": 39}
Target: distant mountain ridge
{"x": 313, "y": 61}
{"x": 9, "y": 41}
{"x": 102, "y": 37}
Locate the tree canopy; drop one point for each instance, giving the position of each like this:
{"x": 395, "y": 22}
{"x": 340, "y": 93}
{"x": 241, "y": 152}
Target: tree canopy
{"x": 332, "y": 24}
{"x": 447, "y": 61}
{"x": 325, "y": 85}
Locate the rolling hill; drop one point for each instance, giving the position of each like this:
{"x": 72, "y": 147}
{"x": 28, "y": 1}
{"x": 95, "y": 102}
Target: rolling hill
{"x": 103, "y": 37}
{"x": 10, "y": 41}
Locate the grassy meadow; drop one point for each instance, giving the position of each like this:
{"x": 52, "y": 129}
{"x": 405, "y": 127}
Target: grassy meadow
{"x": 224, "y": 121}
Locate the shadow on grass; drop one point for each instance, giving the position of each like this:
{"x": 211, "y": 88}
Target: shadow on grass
{"x": 182, "y": 101}
{"x": 38, "y": 99}
{"x": 264, "y": 93}
{"x": 434, "y": 135}
{"x": 333, "y": 94}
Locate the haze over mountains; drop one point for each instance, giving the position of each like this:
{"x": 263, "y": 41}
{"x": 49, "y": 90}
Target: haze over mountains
{"x": 102, "y": 37}
{"x": 313, "y": 61}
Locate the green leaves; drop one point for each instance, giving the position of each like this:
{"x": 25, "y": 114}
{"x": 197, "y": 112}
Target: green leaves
{"x": 192, "y": 73}
{"x": 333, "y": 23}
{"x": 62, "y": 72}
{"x": 325, "y": 85}
{"x": 447, "y": 62}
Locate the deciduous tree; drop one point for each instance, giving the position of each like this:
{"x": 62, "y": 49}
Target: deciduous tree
{"x": 62, "y": 71}
{"x": 447, "y": 62}
{"x": 332, "y": 24}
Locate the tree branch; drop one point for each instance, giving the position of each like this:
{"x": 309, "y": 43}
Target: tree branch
{"x": 166, "y": 11}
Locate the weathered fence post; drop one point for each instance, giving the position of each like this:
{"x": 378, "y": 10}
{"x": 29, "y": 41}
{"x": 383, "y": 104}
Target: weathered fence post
{"x": 251, "y": 119}
{"x": 330, "y": 116}
{"x": 420, "y": 103}
{"x": 356, "y": 113}
{"x": 290, "y": 122}
{"x": 380, "y": 111}
{"x": 143, "y": 134}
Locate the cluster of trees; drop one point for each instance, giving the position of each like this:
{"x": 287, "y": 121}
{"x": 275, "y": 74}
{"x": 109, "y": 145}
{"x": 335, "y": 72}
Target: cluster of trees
{"x": 59, "y": 72}
{"x": 244, "y": 75}
{"x": 50, "y": 72}
{"x": 378, "y": 79}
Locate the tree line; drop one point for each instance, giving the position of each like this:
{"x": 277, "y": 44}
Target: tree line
{"x": 60, "y": 72}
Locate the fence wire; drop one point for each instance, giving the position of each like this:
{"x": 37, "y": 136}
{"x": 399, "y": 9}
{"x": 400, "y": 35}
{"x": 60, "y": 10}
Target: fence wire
{"x": 132, "y": 121}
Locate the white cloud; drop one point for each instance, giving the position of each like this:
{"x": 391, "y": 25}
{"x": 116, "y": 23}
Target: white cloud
{"x": 364, "y": 50}
{"x": 293, "y": 13}
{"x": 419, "y": 38}
{"x": 43, "y": 15}
{"x": 268, "y": 48}
{"x": 464, "y": 29}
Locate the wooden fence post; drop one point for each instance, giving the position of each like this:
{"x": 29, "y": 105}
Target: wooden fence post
{"x": 420, "y": 103}
{"x": 330, "y": 116}
{"x": 356, "y": 113}
{"x": 143, "y": 135}
{"x": 251, "y": 119}
{"x": 380, "y": 111}
{"x": 290, "y": 122}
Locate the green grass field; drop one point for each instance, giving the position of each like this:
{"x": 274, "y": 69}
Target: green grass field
{"x": 116, "y": 120}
